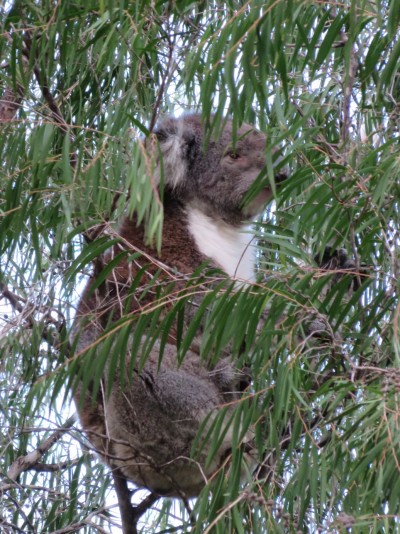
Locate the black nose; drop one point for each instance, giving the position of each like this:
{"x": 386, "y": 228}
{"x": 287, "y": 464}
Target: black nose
{"x": 281, "y": 176}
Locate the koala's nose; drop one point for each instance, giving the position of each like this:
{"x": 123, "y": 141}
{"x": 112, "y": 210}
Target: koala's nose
{"x": 281, "y": 176}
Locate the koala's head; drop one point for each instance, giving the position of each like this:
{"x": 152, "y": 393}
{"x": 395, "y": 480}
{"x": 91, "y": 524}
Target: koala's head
{"x": 216, "y": 177}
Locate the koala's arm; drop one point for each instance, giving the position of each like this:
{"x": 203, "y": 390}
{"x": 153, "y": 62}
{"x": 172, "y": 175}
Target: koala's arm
{"x": 312, "y": 325}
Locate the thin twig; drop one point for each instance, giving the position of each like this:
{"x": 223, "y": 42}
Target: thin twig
{"x": 24, "y": 463}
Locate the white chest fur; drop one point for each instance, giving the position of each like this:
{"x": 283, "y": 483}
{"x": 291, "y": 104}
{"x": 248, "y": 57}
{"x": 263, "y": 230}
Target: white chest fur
{"x": 229, "y": 247}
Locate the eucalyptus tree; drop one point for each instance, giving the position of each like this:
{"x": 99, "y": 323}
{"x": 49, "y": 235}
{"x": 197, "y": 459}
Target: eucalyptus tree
{"x": 82, "y": 85}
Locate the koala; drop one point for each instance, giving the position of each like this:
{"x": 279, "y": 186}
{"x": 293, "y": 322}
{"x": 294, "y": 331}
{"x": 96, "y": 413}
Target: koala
{"x": 146, "y": 424}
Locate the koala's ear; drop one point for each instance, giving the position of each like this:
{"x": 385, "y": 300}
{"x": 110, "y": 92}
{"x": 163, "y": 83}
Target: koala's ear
{"x": 177, "y": 145}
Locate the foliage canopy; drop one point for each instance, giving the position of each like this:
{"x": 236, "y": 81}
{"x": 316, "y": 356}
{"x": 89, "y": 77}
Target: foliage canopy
{"x": 82, "y": 83}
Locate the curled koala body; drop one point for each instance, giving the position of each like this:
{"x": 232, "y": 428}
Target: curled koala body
{"x": 146, "y": 427}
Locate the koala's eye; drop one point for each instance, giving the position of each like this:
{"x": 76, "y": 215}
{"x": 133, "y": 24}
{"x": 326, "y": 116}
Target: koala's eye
{"x": 234, "y": 155}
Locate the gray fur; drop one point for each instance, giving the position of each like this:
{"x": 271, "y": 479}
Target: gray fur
{"x": 148, "y": 427}
{"x": 216, "y": 179}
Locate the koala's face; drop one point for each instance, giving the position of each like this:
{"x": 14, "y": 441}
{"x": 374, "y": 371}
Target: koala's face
{"x": 215, "y": 178}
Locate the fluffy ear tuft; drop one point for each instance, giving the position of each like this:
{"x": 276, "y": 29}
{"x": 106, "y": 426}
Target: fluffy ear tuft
{"x": 176, "y": 142}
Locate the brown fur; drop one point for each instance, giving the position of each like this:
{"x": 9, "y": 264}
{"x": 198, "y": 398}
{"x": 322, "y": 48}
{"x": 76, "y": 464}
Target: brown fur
{"x": 147, "y": 427}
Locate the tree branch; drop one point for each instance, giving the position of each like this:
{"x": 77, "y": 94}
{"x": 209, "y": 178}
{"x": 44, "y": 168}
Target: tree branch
{"x": 24, "y": 463}
{"x": 20, "y": 305}
{"x": 130, "y": 514}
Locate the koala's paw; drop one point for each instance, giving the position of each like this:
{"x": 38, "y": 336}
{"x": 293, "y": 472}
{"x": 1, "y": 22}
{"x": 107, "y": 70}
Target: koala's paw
{"x": 319, "y": 327}
{"x": 338, "y": 260}
{"x": 229, "y": 379}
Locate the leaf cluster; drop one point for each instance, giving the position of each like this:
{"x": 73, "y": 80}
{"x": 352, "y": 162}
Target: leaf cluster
{"x": 84, "y": 83}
